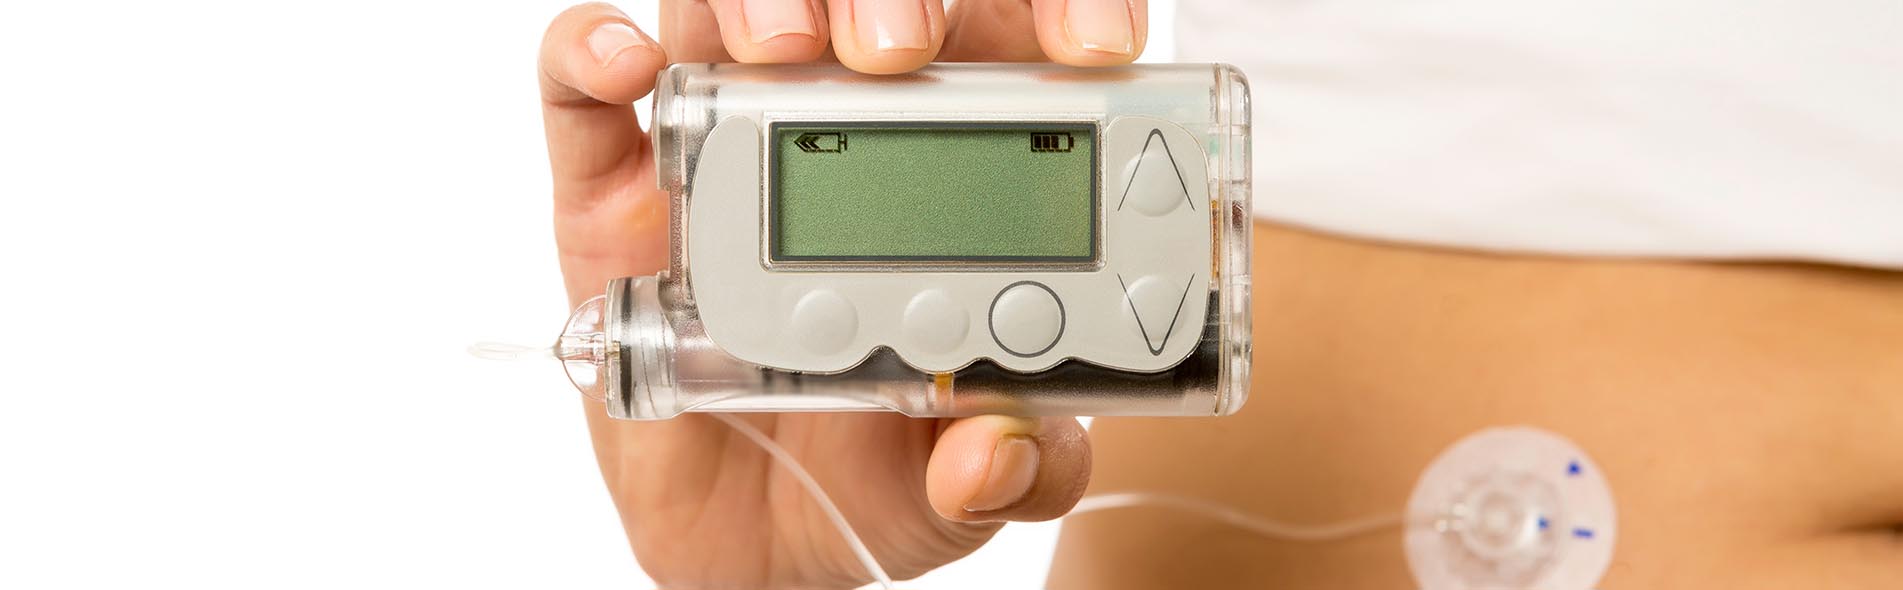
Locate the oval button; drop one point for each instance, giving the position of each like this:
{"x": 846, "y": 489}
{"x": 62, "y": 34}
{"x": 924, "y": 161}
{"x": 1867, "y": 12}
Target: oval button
{"x": 823, "y": 322}
{"x": 935, "y": 323}
{"x": 1027, "y": 319}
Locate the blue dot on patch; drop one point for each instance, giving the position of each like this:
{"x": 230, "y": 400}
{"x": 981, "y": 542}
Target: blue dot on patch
{"x": 1582, "y": 532}
{"x": 1572, "y": 467}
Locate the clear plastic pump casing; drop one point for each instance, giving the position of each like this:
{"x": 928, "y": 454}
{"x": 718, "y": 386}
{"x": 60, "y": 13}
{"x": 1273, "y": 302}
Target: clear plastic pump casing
{"x": 641, "y": 347}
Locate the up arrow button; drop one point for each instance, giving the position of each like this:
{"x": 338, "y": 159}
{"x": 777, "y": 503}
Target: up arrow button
{"x": 1155, "y": 184}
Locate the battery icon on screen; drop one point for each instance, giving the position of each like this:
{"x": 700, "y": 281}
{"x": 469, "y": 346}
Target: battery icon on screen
{"x": 821, "y": 143}
{"x": 1052, "y": 142}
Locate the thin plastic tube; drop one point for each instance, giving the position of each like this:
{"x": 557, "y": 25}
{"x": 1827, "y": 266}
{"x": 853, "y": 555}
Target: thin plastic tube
{"x": 1236, "y": 518}
{"x": 819, "y": 495}
{"x": 504, "y": 351}
{"x": 1204, "y": 508}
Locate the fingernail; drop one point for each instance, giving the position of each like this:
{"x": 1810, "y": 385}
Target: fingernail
{"x": 1100, "y": 25}
{"x": 1013, "y": 469}
{"x": 610, "y": 39}
{"x": 767, "y": 19}
{"x": 885, "y": 25}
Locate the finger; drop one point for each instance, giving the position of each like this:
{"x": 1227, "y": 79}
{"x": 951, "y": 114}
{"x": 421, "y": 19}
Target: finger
{"x": 990, "y": 30}
{"x": 593, "y": 63}
{"x": 886, "y": 36}
{"x": 1091, "y": 32}
{"x": 690, "y": 32}
{"x": 771, "y": 31}
{"x": 993, "y": 468}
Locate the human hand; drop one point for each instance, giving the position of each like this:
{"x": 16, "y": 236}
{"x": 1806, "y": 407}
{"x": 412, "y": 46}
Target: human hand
{"x": 702, "y": 506}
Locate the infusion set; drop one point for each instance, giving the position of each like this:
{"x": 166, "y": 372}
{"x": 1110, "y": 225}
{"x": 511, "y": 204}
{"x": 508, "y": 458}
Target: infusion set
{"x": 1027, "y": 240}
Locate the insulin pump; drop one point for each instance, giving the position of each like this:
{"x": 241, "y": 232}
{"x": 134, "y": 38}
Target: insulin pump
{"x": 967, "y": 239}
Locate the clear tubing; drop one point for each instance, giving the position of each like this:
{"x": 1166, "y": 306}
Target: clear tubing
{"x": 826, "y": 504}
{"x": 503, "y": 351}
{"x": 1503, "y": 512}
{"x": 1237, "y": 518}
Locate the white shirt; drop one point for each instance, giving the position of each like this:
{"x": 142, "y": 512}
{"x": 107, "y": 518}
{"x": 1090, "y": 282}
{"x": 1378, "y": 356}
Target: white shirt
{"x": 1760, "y": 129}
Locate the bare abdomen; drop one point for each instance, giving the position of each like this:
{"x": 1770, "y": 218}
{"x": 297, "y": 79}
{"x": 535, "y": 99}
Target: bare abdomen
{"x": 1748, "y": 416}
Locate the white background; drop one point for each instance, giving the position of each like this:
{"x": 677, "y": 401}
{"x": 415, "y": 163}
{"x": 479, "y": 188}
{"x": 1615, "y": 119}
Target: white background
{"x": 245, "y": 245}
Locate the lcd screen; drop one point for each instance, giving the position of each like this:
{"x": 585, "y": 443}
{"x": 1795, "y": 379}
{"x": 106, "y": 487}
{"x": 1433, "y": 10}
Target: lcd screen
{"x": 934, "y": 193}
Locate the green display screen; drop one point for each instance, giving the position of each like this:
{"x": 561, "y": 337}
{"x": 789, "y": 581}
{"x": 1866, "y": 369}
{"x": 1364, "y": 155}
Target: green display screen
{"x": 945, "y": 193}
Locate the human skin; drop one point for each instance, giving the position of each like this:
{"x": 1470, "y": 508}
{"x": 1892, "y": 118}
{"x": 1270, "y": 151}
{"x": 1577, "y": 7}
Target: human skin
{"x": 1748, "y": 416}
{"x": 702, "y": 506}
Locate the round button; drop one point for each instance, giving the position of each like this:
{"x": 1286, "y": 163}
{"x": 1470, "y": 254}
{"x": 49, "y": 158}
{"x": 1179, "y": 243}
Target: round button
{"x": 1027, "y": 319}
{"x": 823, "y": 322}
{"x": 1155, "y": 186}
{"x": 935, "y": 323}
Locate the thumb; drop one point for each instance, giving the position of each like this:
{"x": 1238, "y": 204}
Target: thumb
{"x": 993, "y": 468}
{"x": 594, "y": 63}
{"x": 610, "y": 222}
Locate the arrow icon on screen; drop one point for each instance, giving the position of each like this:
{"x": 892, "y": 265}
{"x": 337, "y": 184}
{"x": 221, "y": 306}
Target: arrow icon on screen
{"x": 821, "y": 143}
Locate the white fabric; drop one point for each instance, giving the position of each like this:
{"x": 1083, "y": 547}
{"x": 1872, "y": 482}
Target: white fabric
{"x": 1684, "y": 128}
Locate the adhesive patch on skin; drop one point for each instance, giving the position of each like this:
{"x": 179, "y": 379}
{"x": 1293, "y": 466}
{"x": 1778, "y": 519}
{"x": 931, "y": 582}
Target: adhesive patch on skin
{"x": 1510, "y": 508}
